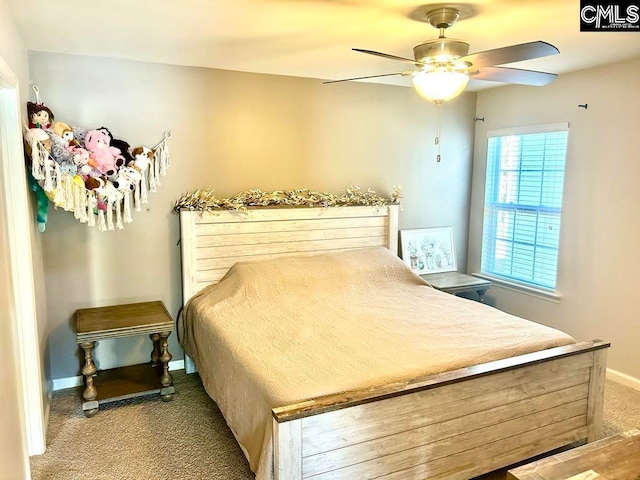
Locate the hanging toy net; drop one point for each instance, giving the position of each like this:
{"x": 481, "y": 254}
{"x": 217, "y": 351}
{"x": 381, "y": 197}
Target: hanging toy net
{"x": 99, "y": 178}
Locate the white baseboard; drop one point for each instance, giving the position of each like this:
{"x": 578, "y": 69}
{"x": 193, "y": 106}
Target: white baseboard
{"x": 67, "y": 382}
{"x": 623, "y": 378}
{"x": 70, "y": 382}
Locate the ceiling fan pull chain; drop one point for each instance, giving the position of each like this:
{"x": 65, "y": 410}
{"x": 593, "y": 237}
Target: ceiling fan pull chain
{"x": 438, "y": 122}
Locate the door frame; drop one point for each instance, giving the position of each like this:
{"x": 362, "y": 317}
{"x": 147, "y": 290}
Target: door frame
{"x": 14, "y": 197}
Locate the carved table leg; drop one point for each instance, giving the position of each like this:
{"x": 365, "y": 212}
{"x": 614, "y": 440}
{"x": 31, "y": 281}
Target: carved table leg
{"x": 167, "y": 391}
{"x": 155, "y": 355}
{"x": 90, "y": 405}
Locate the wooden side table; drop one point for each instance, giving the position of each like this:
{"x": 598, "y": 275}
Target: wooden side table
{"x": 616, "y": 457}
{"x": 455, "y": 282}
{"x": 149, "y": 318}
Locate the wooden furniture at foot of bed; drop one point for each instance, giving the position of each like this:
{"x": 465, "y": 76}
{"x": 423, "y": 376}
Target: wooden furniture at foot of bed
{"x": 454, "y": 425}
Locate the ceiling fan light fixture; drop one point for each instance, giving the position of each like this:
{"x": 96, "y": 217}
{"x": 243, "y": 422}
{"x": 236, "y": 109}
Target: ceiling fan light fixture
{"x": 447, "y": 48}
{"x": 444, "y": 64}
{"x": 439, "y": 86}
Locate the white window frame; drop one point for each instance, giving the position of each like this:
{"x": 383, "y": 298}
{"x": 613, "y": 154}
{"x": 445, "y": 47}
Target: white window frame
{"x": 508, "y": 283}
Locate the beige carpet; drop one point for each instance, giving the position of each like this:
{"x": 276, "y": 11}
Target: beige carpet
{"x": 187, "y": 438}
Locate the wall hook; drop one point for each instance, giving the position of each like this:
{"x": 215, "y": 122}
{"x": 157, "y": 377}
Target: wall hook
{"x": 478, "y": 119}
{"x": 584, "y": 105}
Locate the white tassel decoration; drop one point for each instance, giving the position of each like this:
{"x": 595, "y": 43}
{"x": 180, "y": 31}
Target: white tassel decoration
{"x": 142, "y": 195}
{"x": 48, "y": 184}
{"x": 68, "y": 194}
{"x": 56, "y": 174}
{"x": 119, "y": 225}
{"x": 77, "y": 202}
{"x": 102, "y": 226}
{"x": 127, "y": 207}
{"x": 84, "y": 201}
{"x": 164, "y": 146}
{"x": 43, "y": 160}
{"x": 59, "y": 197}
{"x": 81, "y": 206}
{"x": 91, "y": 203}
{"x": 162, "y": 167}
{"x": 156, "y": 166}
{"x": 164, "y": 159}
{"x": 152, "y": 178}
{"x": 110, "y": 214}
{"x": 37, "y": 160}
{"x": 62, "y": 188}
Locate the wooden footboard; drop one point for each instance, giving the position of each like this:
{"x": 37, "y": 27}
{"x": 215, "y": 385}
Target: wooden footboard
{"x": 453, "y": 425}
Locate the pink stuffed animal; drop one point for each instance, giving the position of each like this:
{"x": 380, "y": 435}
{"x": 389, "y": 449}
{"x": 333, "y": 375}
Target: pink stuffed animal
{"x": 107, "y": 159}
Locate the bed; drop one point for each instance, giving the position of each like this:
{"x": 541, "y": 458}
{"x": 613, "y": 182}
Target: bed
{"x": 296, "y": 416}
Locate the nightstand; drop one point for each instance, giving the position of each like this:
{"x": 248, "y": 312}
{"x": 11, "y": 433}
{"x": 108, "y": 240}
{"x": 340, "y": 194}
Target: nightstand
{"x": 455, "y": 282}
{"x": 102, "y": 323}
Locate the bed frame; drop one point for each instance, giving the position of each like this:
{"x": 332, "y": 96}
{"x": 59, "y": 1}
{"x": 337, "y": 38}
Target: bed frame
{"x": 454, "y": 425}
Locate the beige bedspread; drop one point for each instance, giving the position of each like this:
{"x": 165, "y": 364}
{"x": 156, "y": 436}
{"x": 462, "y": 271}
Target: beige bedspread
{"x": 281, "y": 331}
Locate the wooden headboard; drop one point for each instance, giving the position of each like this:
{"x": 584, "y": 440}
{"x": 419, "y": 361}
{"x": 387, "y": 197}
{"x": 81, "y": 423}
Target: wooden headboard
{"x": 211, "y": 243}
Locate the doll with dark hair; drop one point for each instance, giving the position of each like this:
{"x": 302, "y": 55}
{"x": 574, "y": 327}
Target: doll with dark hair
{"x": 40, "y": 116}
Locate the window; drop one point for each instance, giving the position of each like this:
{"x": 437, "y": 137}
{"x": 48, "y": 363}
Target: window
{"x": 523, "y": 204}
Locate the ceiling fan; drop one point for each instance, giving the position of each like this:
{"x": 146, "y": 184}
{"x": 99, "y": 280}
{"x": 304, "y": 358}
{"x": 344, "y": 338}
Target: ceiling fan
{"x": 444, "y": 65}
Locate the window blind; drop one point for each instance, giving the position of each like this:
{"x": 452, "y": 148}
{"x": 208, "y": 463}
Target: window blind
{"x": 523, "y": 204}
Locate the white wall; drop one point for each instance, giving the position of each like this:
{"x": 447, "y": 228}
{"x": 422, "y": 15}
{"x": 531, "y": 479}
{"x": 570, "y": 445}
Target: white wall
{"x": 233, "y": 131}
{"x": 13, "y": 452}
{"x": 599, "y": 262}
{"x": 12, "y": 437}
{"x": 14, "y": 53}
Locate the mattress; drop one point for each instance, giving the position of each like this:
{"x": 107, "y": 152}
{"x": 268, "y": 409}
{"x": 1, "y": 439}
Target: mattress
{"x": 286, "y": 330}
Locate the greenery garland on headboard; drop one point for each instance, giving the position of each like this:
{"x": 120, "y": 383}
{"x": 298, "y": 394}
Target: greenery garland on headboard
{"x": 206, "y": 200}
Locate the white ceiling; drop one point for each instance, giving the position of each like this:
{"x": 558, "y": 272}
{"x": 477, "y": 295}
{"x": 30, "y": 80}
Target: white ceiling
{"x": 308, "y": 38}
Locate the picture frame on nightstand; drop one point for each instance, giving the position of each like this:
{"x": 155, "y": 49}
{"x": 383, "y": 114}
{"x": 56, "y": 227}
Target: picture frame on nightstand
{"x": 429, "y": 250}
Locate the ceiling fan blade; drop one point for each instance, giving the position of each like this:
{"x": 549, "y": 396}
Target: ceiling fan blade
{"x": 388, "y": 56}
{"x": 514, "y": 53}
{"x": 362, "y": 78}
{"x": 514, "y": 75}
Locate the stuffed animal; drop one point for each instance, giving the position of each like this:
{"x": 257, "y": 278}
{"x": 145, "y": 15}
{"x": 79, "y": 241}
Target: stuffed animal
{"x": 86, "y": 166}
{"x": 128, "y": 178}
{"x": 65, "y": 132}
{"x": 121, "y": 145}
{"x": 107, "y": 193}
{"x": 79, "y": 134}
{"x": 93, "y": 183}
{"x": 108, "y": 159}
{"x": 41, "y": 136}
{"x": 97, "y": 184}
{"x": 40, "y": 116}
{"x": 61, "y": 152}
{"x": 143, "y": 157}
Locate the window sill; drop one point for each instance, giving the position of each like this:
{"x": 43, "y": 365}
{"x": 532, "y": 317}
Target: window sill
{"x": 516, "y": 287}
